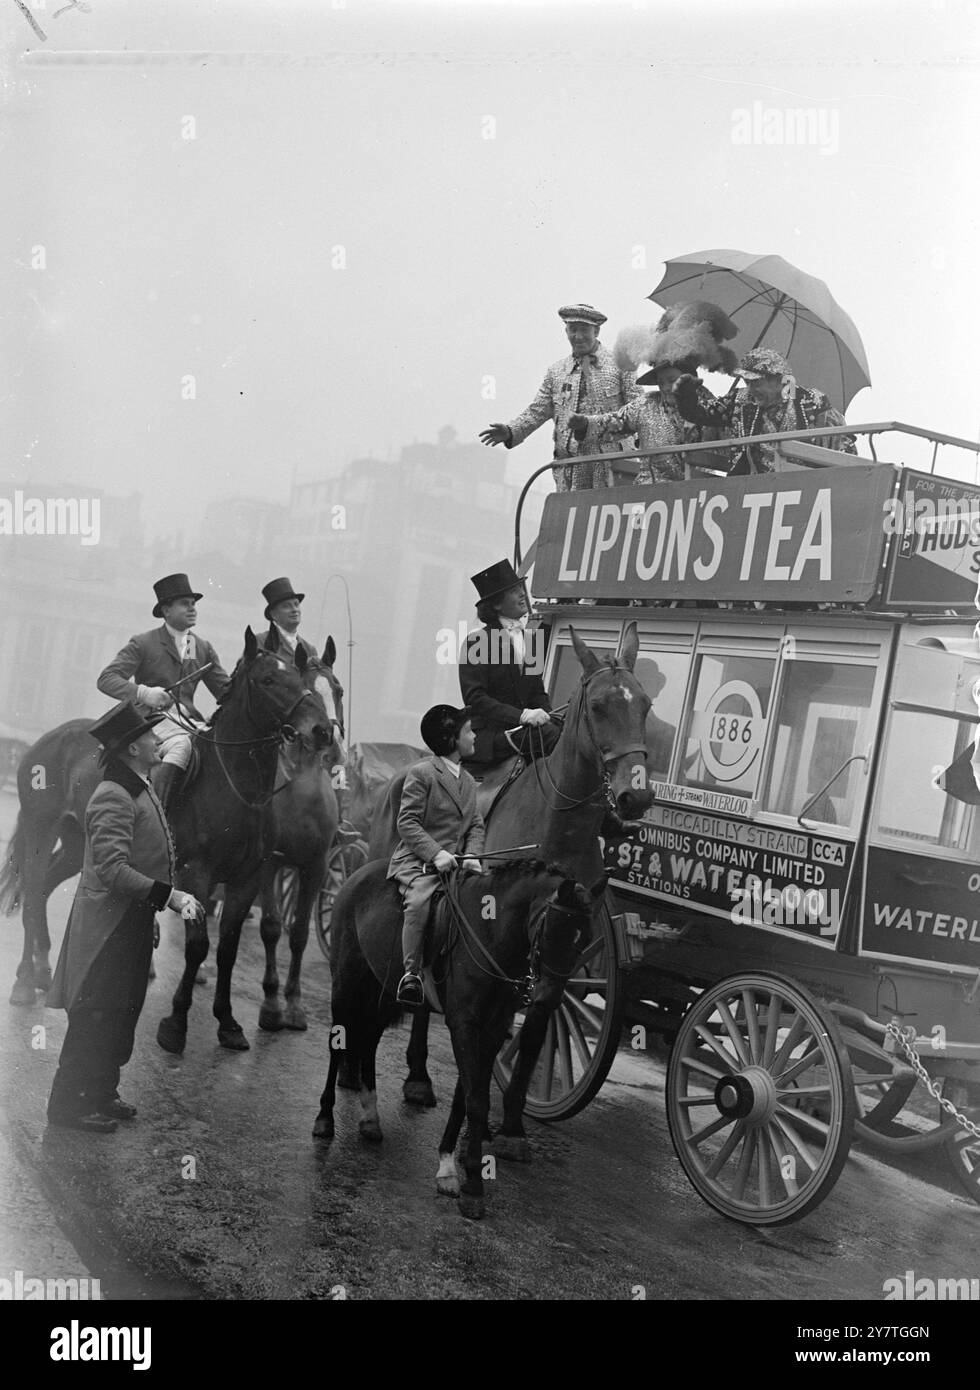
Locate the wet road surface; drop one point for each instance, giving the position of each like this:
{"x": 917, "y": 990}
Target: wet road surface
{"x": 218, "y": 1190}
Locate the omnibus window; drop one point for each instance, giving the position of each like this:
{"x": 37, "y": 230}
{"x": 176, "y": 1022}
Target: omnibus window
{"x": 821, "y": 721}
{"x": 726, "y": 728}
{"x": 567, "y": 671}
{"x": 911, "y": 807}
{"x": 663, "y": 676}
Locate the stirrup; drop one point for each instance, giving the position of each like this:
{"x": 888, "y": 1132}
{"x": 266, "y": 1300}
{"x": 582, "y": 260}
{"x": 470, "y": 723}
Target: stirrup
{"x": 407, "y": 981}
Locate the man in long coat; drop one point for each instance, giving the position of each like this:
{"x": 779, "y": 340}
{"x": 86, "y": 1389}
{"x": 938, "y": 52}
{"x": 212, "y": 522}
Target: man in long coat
{"x": 153, "y": 661}
{"x": 587, "y": 383}
{"x": 501, "y": 671}
{"x": 103, "y": 967}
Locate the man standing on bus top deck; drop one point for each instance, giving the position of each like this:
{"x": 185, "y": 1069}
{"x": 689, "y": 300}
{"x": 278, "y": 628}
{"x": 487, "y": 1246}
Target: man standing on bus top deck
{"x": 770, "y": 402}
{"x": 587, "y": 382}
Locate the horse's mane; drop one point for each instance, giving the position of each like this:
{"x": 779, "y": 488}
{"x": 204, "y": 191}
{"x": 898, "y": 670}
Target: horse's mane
{"x": 512, "y": 869}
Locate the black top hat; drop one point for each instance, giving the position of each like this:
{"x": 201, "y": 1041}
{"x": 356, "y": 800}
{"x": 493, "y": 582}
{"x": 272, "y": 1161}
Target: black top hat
{"x": 171, "y": 587}
{"x": 121, "y": 726}
{"x": 440, "y": 725}
{"x": 277, "y": 591}
{"x": 496, "y": 579}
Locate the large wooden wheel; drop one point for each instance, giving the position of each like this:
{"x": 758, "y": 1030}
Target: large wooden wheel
{"x": 583, "y": 1033}
{"x": 342, "y": 861}
{"x": 760, "y": 1100}
{"x": 963, "y": 1152}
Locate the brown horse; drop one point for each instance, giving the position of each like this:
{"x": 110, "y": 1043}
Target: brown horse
{"x": 531, "y": 920}
{"x": 223, "y": 826}
{"x": 558, "y": 802}
{"x": 305, "y": 818}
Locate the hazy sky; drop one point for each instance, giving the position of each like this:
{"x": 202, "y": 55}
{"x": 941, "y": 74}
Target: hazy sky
{"x": 383, "y": 205}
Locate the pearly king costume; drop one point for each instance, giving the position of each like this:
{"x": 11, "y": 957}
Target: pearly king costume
{"x": 589, "y": 384}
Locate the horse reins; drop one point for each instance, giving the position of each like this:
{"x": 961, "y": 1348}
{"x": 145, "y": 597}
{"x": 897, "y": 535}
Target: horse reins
{"x": 605, "y": 784}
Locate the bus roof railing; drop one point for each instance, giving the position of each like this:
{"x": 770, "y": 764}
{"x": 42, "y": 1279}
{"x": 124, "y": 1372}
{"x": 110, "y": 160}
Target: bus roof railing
{"x": 702, "y": 446}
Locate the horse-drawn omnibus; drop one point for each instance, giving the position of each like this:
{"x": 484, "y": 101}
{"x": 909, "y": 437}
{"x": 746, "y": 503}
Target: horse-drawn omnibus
{"x": 798, "y": 913}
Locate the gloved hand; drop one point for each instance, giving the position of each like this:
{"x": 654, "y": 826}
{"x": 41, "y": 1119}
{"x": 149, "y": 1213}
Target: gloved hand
{"x": 472, "y": 866}
{"x": 444, "y": 861}
{"x": 187, "y": 905}
{"x": 535, "y": 717}
{"x": 156, "y": 698}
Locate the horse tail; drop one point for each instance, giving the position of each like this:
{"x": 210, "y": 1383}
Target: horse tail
{"x": 10, "y": 874}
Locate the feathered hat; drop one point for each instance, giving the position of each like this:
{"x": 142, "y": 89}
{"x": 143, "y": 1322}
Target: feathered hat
{"x": 688, "y": 336}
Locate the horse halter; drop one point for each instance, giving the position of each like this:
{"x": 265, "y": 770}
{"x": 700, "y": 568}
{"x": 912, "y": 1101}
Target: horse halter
{"x": 607, "y": 756}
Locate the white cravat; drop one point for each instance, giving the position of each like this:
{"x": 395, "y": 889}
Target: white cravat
{"x": 451, "y": 767}
{"x": 290, "y": 639}
{"x": 514, "y": 627}
{"x": 183, "y": 641}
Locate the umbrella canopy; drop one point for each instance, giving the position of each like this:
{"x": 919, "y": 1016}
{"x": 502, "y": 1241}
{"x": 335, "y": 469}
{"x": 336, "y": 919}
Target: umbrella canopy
{"x": 777, "y": 306}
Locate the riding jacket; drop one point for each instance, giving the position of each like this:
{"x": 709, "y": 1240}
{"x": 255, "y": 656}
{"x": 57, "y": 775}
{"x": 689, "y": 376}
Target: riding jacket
{"x": 151, "y": 659}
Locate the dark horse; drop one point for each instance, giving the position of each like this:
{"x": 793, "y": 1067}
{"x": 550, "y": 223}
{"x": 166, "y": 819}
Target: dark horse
{"x": 558, "y": 803}
{"x": 305, "y": 817}
{"x": 532, "y": 920}
{"x": 58, "y": 775}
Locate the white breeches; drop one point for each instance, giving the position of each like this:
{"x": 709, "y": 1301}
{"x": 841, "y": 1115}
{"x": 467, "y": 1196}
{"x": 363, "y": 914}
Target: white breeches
{"x": 173, "y": 743}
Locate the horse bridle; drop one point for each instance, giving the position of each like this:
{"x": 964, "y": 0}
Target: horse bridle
{"x": 285, "y": 733}
{"x": 605, "y": 783}
{"x": 536, "y": 966}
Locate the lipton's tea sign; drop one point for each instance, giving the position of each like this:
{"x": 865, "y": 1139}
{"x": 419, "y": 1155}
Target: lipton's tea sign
{"x": 794, "y": 536}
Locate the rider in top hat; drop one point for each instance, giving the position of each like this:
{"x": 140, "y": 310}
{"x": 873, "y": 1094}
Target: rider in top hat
{"x": 501, "y": 671}
{"x": 103, "y": 967}
{"x": 282, "y": 611}
{"x": 588, "y": 383}
{"x": 152, "y": 661}
{"x": 437, "y": 823}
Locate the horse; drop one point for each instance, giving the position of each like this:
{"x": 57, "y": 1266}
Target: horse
{"x": 532, "y": 921}
{"x": 222, "y": 823}
{"x": 557, "y": 802}
{"x": 305, "y": 820}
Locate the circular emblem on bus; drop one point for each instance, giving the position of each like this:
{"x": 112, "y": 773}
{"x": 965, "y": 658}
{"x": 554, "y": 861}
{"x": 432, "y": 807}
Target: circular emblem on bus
{"x": 731, "y": 731}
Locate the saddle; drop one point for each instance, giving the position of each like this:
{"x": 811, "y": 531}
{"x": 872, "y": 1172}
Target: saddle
{"x": 493, "y": 781}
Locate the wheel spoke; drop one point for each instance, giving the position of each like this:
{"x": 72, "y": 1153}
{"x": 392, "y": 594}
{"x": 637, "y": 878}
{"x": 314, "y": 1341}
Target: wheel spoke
{"x": 792, "y": 1040}
{"x": 591, "y": 1015}
{"x": 801, "y": 1117}
{"x": 752, "y": 1024}
{"x": 808, "y": 1060}
{"x": 577, "y": 1036}
{"x": 773, "y": 1016}
{"x": 687, "y": 1102}
{"x": 734, "y": 1032}
{"x": 564, "y": 1052}
{"x": 698, "y": 1136}
{"x": 789, "y": 1183}
{"x": 726, "y": 1150}
{"x": 709, "y": 1037}
{"x": 744, "y": 1164}
{"x": 695, "y": 1064}
{"x": 798, "y": 1143}
{"x": 765, "y": 1180}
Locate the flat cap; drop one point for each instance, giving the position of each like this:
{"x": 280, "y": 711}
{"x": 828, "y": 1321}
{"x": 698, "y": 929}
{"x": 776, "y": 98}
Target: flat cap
{"x": 581, "y": 313}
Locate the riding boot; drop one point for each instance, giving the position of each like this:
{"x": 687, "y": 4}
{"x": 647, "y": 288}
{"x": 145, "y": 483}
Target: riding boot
{"x": 165, "y": 779}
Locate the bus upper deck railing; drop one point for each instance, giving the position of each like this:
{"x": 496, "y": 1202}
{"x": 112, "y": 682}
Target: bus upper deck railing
{"x": 712, "y": 445}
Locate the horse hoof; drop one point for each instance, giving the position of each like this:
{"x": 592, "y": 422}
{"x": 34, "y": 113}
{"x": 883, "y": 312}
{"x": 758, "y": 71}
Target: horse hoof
{"x": 323, "y": 1127}
{"x": 295, "y": 1019}
{"x": 511, "y": 1148}
{"x": 171, "y": 1036}
{"x": 349, "y": 1078}
{"x": 447, "y": 1187}
{"x": 271, "y": 1020}
{"x": 370, "y": 1130}
{"x": 419, "y": 1093}
{"x": 22, "y": 993}
{"x": 234, "y": 1039}
{"x": 42, "y": 977}
{"x": 473, "y": 1208}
